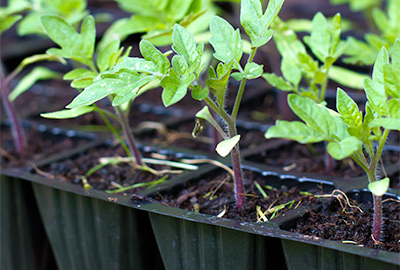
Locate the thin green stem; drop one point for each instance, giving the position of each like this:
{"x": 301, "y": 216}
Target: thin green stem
{"x": 242, "y": 86}
{"x": 378, "y": 154}
{"x": 220, "y": 111}
{"x": 113, "y": 130}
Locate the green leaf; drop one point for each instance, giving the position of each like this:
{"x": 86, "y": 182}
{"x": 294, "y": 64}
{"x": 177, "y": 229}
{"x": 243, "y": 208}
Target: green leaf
{"x": 184, "y": 44}
{"x": 88, "y": 36}
{"x": 318, "y": 117}
{"x": 205, "y": 114}
{"x": 291, "y": 71}
{"x": 135, "y": 64}
{"x": 349, "y": 111}
{"x": 376, "y": 96}
{"x": 154, "y": 7}
{"x": 394, "y": 108}
{"x": 296, "y": 131}
{"x": 225, "y": 147}
{"x": 175, "y": 87}
{"x": 346, "y": 77}
{"x": 379, "y": 188}
{"x": 218, "y": 84}
{"x": 79, "y": 73}
{"x": 386, "y": 123}
{"x": 75, "y": 46}
{"x": 273, "y": 8}
{"x": 359, "y": 52}
{"x": 381, "y": 59}
{"x": 396, "y": 54}
{"x": 103, "y": 58}
{"x": 8, "y": 22}
{"x": 251, "y": 71}
{"x": 199, "y": 93}
{"x": 82, "y": 83}
{"x": 124, "y": 85}
{"x": 40, "y": 57}
{"x": 391, "y": 80}
{"x": 226, "y": 42}
{"x": 132, "y": 89}
{"x": 150, "y": 53}
{"x": 319, "y": 41}
{"x": 69, "y": 113}
{"x": 38, "y": 73}
{"x": 277, "y": 82}
{"x": 344, "y": 148}
{"x": 253, "y": 22}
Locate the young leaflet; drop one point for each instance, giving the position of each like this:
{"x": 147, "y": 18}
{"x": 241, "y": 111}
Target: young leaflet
{"x": 349, "y": 133}
{"x": 182, "y": 73}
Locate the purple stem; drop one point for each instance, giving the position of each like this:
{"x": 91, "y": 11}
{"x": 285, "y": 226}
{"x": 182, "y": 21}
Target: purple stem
{"x": 16, "y": 127}
{"x": 238, "y": 178}
{"x": 377, "y": 225}
{"x": 123, "y": 119}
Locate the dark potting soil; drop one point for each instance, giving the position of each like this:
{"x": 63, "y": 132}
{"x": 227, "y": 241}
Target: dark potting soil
{"x": 214, "y": 195}
{"x": 73, "y": 170}
{"x": 39, "y": 145}
{"x": 297, "y": 157}
{"x": 350, "y": 224}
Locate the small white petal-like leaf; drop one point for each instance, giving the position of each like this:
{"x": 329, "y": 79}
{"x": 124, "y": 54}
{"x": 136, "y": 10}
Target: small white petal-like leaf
{"x": 225, "y": 147}
{"x": 378, "y": 188}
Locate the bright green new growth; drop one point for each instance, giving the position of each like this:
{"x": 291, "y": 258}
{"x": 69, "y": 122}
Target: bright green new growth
{"x": 73, "y": 11}
{"x": 349, "y": 133}
{"x": 387, "y": 24}
{"x": 298, "y": 65}
{"x": 123, "y": 82}
{"x": 157, "y": 18}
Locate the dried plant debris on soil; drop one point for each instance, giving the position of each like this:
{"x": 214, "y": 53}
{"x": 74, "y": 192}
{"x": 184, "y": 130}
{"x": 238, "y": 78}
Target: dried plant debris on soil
{"x": 110, "y": 177}
{"x": 213, "y": 195}
{"x": 39, "y": 145}
{"x": 334, "y": 222}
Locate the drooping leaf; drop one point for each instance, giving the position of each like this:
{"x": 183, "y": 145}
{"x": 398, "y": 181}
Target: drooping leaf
{"x": 38, "y": 73}
{"x": 79, "y": 73}
{"x": 38, "y": 58}
{"x": 226, "y": 42}
{"x": 379, "y": 188}
{"x": 386, "y": 123}
{"x": 68, "y": 113}
{"x": 318, "y": 117}
{"x": 296, "y": 131}
{"x": 346, "y": 77}
{"x": 344, "y": 148}
{"x": 225, "y": 147}
{"x": 277, "y": 82}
